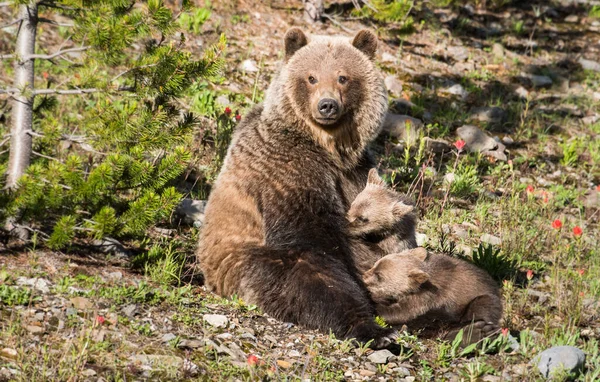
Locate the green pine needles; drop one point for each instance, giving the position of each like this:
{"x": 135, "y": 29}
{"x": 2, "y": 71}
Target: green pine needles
{"x": 106, "y": 162}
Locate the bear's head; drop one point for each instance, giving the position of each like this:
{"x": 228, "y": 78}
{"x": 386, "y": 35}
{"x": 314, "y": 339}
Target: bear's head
{"x": 396, "y": 276}
{"x": 332, "y": 85}
{"x": 378, "y": 211}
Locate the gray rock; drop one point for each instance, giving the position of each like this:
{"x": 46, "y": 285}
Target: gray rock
{"x": 39, "y": 284}
{"x": 490, "y": 239}
{"x": 112, "y": 246}
{"x": 168, "y": 337}
{"x": 402, "y": 127}
{"x": 156, "y": 361}
{"x": 458, "y": 53}
{"x": 567, "y": 358}
{"x": 589, "y": 64}
{"x": 410, "y": 379}
{"x": 393, "y": 85}
{"x": 522, "y": 92}
{"x": 458, "y": 90}
{"x": 130, "y": 310}
{"x": 498, "y": 50}
{"x": 223, "y": 100}
{"x": 487, "y": 114}
{"x": 590, "y": 120}
{"x": 421, "y": 239}
{"x": 387, "y": 57}
{"x": 190, "y": 344}
{"x": 225, "y": 336}
{"x": 216, "y": 320}
{"x": 402, "y": 106}
{"x": 117, "y": 275}
{"x": 477, "y": 140}
{"x": 507, "y": 140}
{"x": 191, "y": 210}
{"x": 571, "y": 19}
{"x": 540, "y": 81}
{"x": 380, "y": 356}
{"x": 248, "y": 66}
{"x": 401, "y": 371}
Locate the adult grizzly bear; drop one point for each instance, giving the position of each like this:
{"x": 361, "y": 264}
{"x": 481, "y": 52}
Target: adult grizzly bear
{"x": 275, "y": 228}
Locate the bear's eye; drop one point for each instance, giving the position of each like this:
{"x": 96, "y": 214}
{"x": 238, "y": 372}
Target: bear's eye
{"x": 342, "y": 79}
{"x": 312, "y": 80}
{"x": 362, "y": 219}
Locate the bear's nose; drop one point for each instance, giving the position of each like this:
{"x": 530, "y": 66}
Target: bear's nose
{"x": 328, "y": 107}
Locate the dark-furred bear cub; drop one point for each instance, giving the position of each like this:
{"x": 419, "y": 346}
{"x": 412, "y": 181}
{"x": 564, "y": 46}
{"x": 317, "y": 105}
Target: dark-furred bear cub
{"x": 420, "y": 287}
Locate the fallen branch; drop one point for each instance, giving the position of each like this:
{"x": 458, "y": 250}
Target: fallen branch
{"x": 68, "y": 91}
{"x": 11, "y": 23}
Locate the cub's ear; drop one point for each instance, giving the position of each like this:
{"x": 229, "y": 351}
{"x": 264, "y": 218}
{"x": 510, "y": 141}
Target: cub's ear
{"x": 374, "y": 178}
{"x": 419, "y": 253}
{"x": 401, "y": 209}
{"x": 366, "y": 42}
{"x": 294, "y": 40}
{"x": 418, "y": 276}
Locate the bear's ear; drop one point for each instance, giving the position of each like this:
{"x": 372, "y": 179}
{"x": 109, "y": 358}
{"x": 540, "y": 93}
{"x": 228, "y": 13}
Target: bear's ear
{"x": 418, "y": 276}
{"x": 374, "y": 178}
{"x": 366, "y": 42}
{"x": 401, "y": 209}
{"x": 294, "y": 40}
{"x": 419, "y": 253}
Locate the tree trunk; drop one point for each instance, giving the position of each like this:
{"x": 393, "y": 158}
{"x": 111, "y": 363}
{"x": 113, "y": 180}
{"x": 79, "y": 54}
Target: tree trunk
{"x": 22, "y": 109}
{"x": 313, "y": 10}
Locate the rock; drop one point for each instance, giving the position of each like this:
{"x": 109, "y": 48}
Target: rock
{"x": 460, "y": 231}
{"x": 130, "y": 310}
{"x": 494, "y": 115}
{"x": 39, "y": 284}
{"x": 156, "y": 360}
{"x": 522, "y": 92}
{"x": 223, "y": 100}
{"x": 458, "y": 53}
{"x": 112, "y": 246}
{"x": 498, "y": 50}
{"x": 33, "y": 329}
{"x": 190, "y": 344}
{"x": 380, "y": 356}
{"x": 402, "y": 127}
{"x": 458, "y": 90}
{"x": 393, "y": 85}
{"x": 402, "y": 106}
{"x": 81, "y": 303}
{"x": 571, "y": 19}
{"x": 401, "y": 371}
{"x": 225, "y": 336}
{"x": 421, "y": 239}
{"x": 216, "y": 320}
{"x": 410, "y": 379}
{"x": 248, "y": 66}
{"x": 117, "y": 275}
{"x": 589, "y": 64}
{"x": 590, "y": 120}
{"x": 387, "y": 57}
{"x": 568, "y": 358}
{"x": 540, "y": 81}
{"x": 88, "y": 373}
{"x": 507, "y": 140}
{"x": 168, "y": 337}
{"x": 490, "y": 239}
{"x": 491, "y": 378}
{"x": 366, "y": 373}
{"x": 8, "y": 353}
{"x": 449, "y": 178}
{"x": 191, "y": 210}
{"x": 437, "y": 146}
{"x": 475, "y": 139}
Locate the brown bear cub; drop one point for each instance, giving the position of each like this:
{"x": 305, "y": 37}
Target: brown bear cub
{"x": 416, "y": 288}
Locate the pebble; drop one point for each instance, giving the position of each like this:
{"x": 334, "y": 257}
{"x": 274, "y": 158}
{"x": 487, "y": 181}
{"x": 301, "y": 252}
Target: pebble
{"x": 387, "y": 57}
{"x": 380, "y": 356}
{"x": 191, "y": 344}
{"x": 490, "y": 239}
{"x": 458, "y": 90}
{"x": 498, "y": 50}
{"x": 401, "y": 371}
{"x": 540, "y": 81}
{"x": 410, "y": 379}
{"x": 393, "y": 85}
{"x": 157, "y": 360}
{"x": 571, "y": 19}
{"x": 487, "y": 114}
{"x": 38, "y": 284}
{"x": 88, "y": 373}
{"x": 248, "y": 66}
{"x": 569, "y": 358}
{"x": 81, "y": 303}
{"x": 191, "y": 210}
{"x": 130, "y": 310}
{"x": 33, "y": 329}
{"x": 223, "y": 100}
{"x": 225, "y": 336}
{"x": 402, "y": 127}
{"x": 421, "y": 239}
{"x": 8, "y": 353}
{"x": 168, "y": 337}
{"x": 112, "y": 246}
{"x": 216, "y": 320}
{"x": 522, "y": 92}
{"x": 283, "y": 364}
{"x": 366, "y": 373}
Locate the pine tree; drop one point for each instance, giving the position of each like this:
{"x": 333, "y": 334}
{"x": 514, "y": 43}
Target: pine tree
{"x": 105, "y": 137}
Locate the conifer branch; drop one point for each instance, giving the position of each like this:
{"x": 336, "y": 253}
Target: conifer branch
{"x": 6, "y": 56}
{"x": 5, "y": 140}
{"x": 56, "y": 54}
{"x": 53, "y": 22}
{"x": 56, "y": 6}
{"x": 44, "y": 156}
{"x": 66, "y": 91}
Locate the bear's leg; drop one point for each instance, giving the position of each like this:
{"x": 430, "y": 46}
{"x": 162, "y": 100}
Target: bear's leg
{"x": 314, "y": 290}
{"x": 482, "y": 317}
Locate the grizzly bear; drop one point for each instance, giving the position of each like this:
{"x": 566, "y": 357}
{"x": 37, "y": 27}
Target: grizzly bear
{"x": 275, "y": 228}
{"x": 382, "y": 220}
{"x": 428, "y": 289}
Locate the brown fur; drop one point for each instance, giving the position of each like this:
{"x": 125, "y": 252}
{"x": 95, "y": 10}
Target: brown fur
{"x": 275, "y": 229}
{"x": 420, "y": 287}
{"x": 382, "y": 221}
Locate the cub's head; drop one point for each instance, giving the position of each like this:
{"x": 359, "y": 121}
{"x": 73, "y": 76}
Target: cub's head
{"x": 396, "y": 276}
{"x": 331, "y": 81}
{"x": 378, "y": 210}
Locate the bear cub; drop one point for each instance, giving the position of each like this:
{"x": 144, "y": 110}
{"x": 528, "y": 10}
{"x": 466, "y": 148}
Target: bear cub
{"x": 382, "y": 218}
{"x": 417, "y": 286}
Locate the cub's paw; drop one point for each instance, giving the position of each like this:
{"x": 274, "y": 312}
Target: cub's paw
{"x": 373, "y": 334}
{"x": 385, "y": 340}
{"x": 474, "y": 332}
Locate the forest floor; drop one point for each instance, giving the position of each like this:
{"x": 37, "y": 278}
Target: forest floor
{"x": 527, "y": 76}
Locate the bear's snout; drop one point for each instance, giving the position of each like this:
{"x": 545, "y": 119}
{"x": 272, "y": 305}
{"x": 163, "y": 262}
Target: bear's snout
{"x": 328, "y": 108}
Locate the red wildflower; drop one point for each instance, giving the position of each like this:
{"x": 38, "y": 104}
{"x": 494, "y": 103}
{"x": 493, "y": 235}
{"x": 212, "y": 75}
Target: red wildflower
{"x": 545, "y": 196}
{"x": 529, "y": 189}
{"x": 577, "y": 231}
{"x": 581, "y": 272}
{"x": 598, "y": 187}
{"x": 460, "y": 145}
{"x": 529, "y": 274}
{"x": 227, "y": 110}
{"x": 557, "y": 224}
{"x": 100, "y": 320}
{"x": 581, "y": 294}
{"x": 505, "y": 332}
{"x": 238, "y": 117}
{"x": 45, "y": 75}
{"x": 252, "y": 360}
